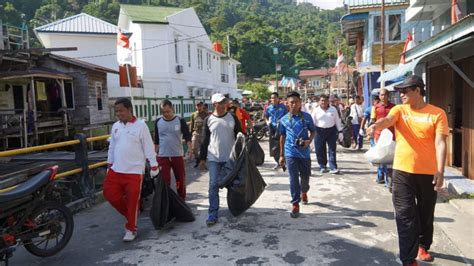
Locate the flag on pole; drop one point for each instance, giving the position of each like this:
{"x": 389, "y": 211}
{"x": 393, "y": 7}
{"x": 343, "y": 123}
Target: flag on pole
{"x": 408, "y": 45}
{"x": 455, "y": 12}
{"x": 124, "y": 52}
{"x": 340, "y": 58}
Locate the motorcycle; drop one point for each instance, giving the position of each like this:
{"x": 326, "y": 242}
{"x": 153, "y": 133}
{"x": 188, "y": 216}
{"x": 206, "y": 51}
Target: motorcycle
{"x": 32, "y": 216}
{"x": 260, "y": 128}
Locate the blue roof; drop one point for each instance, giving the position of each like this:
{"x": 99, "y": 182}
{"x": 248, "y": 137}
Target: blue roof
{"x": 355, "y": 16}
{"x": 80, "y": 23}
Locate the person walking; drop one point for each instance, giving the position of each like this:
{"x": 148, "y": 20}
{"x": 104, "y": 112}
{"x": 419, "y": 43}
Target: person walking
{"x": 219, "y": 134}
{"x": 297, "y": 131}
{"x": 241, "y": 114}
{"x": 130, "y": 145}
{"x": 379, "y": 111}
{"x": 421, "y": 130}
{"x": 328, "y": 129}
{"x": 170, "y": 130}
{"x": 197, "y": 122}
{"x": 275, "y": 111}
{"x": 357, "y": 114}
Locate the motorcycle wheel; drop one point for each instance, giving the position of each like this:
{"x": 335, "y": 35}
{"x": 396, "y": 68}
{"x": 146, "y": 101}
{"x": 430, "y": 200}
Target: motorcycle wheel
{"x": 55, "y": 218}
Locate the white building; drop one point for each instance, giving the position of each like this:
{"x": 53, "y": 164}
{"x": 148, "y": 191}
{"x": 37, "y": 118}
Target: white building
{"x": 174, "y": 54}
{"x": 171, "y": 50}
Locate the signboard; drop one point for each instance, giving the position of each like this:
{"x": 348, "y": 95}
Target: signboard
{"x": 278, "y": 67}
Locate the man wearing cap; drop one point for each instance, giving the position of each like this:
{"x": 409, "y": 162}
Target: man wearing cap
{"x": 197, "y": 121}
{"x": 297, "y": 131}
{"x": 219, "y": 134}
{"x": 421, "y": 130}
{"x": 275, "y": 111}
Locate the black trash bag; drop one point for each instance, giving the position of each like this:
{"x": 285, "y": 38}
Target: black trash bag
{"x": 243, "y": 181}
{"x": 346, "y": 133}
{"x": 256, "y": 152}
{"x": 159, "y": 212}
{"x": 148, "y": 186}
{"x": 167, "y": 206}
{"x": 178, "y": 208}
{"x": 275, "y": 143}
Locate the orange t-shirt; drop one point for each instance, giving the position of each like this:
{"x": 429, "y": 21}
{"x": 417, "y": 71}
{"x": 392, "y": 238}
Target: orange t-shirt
{"x": 415, "y": 132}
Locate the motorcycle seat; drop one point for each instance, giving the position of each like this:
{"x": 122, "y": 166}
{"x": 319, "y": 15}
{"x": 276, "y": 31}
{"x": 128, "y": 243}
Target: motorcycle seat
{"x": 26, "y": 188}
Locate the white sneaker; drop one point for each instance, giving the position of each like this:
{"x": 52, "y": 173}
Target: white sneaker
{"x": 276, "y": 166}
{"x": 334, "y": 172}
{"x": 129, "y": 236}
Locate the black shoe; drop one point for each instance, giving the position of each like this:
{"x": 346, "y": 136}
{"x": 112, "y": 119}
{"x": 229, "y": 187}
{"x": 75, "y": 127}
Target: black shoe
{"x": 196, "y": 165}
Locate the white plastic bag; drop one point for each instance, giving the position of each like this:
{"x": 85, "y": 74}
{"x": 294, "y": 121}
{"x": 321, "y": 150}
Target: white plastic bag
{"x": 383, "y": 151}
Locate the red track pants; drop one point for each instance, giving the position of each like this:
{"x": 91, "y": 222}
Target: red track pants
{"x": 123, "y": 193}
{"x": 177, "y": 164}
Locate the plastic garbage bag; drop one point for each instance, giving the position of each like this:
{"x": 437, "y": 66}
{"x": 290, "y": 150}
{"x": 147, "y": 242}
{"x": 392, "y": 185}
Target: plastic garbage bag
{"x": 242, "y": 179}
{"x": 167, "y": 206}
{"x": 346, "y": 133}
{"x": 256, "y": 152}
{"x": 383, "y": 151}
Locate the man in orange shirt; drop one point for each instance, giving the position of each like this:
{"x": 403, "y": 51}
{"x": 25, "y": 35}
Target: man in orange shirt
{"x": 418, "y": 168}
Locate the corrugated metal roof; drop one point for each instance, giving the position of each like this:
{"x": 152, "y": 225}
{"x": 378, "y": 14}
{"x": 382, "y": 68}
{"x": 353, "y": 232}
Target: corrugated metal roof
{"x": 80, "y": 23}
{"x": 149, "y": 14}
{"x": 372, "y": 3}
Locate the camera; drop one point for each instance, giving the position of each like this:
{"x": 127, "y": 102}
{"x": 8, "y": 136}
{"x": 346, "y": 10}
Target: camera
{"x": 300, "y": 142}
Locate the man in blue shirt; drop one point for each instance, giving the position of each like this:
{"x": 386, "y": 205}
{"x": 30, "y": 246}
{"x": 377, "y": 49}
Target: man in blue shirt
{"x": 274, "y": 112}
{"x": 297, "y": 131}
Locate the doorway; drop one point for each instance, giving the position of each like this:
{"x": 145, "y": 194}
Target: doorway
{"x": 457, "y": 120}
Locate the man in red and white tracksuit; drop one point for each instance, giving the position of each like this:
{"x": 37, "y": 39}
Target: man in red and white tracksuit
{"x": 130, "y": 146}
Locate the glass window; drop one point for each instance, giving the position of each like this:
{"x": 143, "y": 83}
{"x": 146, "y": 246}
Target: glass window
{"x": 394, "y": 27}
{"x": 176, "y": 50}
{"x": 189, "y": 55}
{"x": 377, "y": 26}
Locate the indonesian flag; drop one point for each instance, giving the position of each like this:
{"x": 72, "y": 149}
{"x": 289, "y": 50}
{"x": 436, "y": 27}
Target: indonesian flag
{"x": 340, "y": 58}
{"x": 408, "y": 45}
{"x": 124, "y": 52}
{"x": 455, "y": 12}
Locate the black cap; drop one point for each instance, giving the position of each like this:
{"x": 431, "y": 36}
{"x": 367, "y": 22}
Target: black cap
{"x": 293, "y": 94}
{"x": 410, "y": 81}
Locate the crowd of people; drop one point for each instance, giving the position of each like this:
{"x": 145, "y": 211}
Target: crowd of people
{"x": 419, "y": 129}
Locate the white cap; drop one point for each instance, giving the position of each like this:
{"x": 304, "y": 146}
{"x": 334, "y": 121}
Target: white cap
{"x": 217, "y": 98}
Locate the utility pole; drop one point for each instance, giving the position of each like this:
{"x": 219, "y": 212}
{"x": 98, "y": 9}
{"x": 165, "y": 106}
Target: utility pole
{"x": 382, "y": 42}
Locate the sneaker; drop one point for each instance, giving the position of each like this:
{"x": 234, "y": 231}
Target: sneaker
{"x": 295, "y": 211}
{"x": 334, "y": 171}
{"x": 211, "y": 221}
{"x": 381, "y": 181}
{"x": 323, "y": 170}
{"x": 424, "y": 255}
{"x": 275, "y": 166}
{"x": 304, "y": 198}
{"x": 129, "y": 235}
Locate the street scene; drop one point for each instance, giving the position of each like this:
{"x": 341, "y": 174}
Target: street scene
{"x": 349, "y": 220}
{"x": 246, "y": 132}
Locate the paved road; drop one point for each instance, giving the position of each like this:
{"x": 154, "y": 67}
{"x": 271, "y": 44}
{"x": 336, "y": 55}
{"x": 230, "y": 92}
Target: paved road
{"x": 349, "y": 221}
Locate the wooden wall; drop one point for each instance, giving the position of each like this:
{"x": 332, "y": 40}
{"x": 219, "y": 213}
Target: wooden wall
{"x": 98, "y": 116}
{"x": 392, "y": 53}
{"x": 468, "y": 119}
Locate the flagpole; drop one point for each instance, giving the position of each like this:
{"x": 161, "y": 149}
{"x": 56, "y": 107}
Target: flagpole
{"x": 127, "y": 66}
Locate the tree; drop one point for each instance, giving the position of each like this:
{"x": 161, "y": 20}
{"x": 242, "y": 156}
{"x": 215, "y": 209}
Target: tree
{"x": 259, "y": 90}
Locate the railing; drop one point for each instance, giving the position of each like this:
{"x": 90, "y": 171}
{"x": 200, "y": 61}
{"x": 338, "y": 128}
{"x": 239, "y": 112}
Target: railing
{"x": 81, "y": 159}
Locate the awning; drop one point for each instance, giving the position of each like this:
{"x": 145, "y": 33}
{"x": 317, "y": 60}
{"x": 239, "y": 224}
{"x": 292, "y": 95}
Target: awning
{"x": 399, "y": 72}
{"x": 355, "y": 16}
{"x": 390, "y": 87}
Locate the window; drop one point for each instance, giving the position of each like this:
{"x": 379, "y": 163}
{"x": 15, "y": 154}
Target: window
{"x": 394, "y": 27}
{"x": 98, "y": 95}
{"x": 189, "y": 55}
{"x": 377, "y": 26}
{"x": 69, "y": 92}
{"x": 208, "y": 61}
{"x": 234, "y": 72}
{"x": 199, "y": 54}
{"x": 176, "y": 50}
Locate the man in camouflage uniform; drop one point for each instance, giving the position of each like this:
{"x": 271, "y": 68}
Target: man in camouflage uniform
{"x": 197, "y": 120}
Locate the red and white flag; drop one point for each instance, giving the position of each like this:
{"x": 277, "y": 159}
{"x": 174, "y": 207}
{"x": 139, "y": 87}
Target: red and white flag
{"x": 455, "y": 12}
{"x": 340, "y": 58}
{"x": 124, "y": 52}
{"x": 409, "y": 43}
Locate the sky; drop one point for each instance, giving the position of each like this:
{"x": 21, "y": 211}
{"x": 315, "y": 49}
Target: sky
{"x": 324, "y": 4}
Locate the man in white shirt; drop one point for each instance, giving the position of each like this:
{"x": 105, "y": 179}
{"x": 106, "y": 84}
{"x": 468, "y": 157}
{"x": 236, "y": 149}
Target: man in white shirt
{"x": 357, "y": 114}
{"x": 328, "y": 130}
{"x": 130, "y": 146}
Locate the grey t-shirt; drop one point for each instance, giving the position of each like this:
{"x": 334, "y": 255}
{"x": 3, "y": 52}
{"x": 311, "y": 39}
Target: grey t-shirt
{"x": 168, "y": 134}
{"x": 219, "y": 137}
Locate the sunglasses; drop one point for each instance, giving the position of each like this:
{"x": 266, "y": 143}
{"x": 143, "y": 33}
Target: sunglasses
{"x": 405, "y": 90}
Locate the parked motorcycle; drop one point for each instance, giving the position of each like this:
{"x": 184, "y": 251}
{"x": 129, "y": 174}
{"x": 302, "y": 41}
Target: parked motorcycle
{"x": 260, "y": 128}
{"x": 32, "y": 216}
